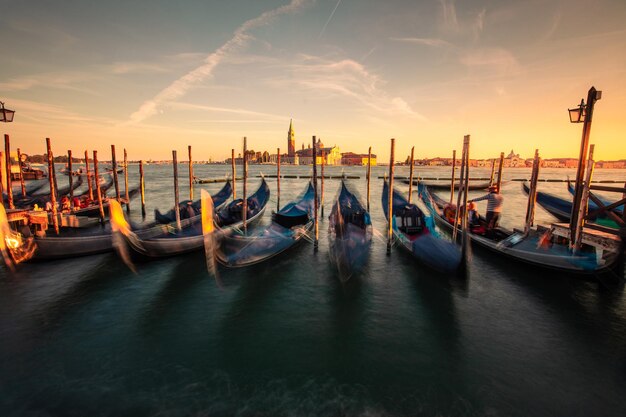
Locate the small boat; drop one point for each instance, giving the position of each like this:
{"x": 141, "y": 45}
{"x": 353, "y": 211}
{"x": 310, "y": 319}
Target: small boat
{"x": 190, "y": 237}
{"x": 289, "y": 225}
{"x": 561, "y": 208}
{"x": 187, "y": 207}
{"x": 619, "y": 210}
{"x": 349, "y": 233}
{"x": 416, "y": 233}
{"x": 538, "y": 248}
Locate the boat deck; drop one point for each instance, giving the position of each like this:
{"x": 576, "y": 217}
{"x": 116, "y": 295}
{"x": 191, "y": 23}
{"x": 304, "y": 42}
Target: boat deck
{"x": 591, "y": 237}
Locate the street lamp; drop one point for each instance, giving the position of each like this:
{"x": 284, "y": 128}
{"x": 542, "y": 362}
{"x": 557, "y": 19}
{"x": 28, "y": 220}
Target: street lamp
{"x": 577, "y": 114}
{"x": 6, "y": 115}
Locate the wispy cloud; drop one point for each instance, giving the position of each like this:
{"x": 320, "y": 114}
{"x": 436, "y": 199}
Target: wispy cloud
{"x": 496, "y": 60}
{"x": 64, "y": 81}
{"x": 54, "y": 114}
{"x": 346, "y": 78}
{"x": 449, "y": 19}
{"x": 240, "y": 39}
{"x": 424, "y": 41}
{"x": 242, "y": 112}
{"x": 329, "y": 19}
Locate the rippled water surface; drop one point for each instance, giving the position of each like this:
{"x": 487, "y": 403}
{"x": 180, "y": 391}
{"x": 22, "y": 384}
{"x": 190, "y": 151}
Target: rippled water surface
{"x": 88, "y": 337}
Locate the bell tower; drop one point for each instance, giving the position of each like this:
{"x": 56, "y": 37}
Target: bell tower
{"x": 291, "y": 140}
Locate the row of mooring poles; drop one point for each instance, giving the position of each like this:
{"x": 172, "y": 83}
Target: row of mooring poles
{"x": 390, "y": 196}
{"x": 532, "y": 194}
{"x": 411, "y": 174}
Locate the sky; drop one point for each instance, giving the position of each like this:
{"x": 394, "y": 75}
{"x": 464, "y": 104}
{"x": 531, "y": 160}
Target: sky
{"x": 154, "y": 76}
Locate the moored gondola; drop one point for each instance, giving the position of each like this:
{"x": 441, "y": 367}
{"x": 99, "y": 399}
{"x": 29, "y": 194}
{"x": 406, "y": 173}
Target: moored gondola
{"x": 539, "y": 247}
{"x": 288, "y": 227}
{"x": 349, "y": 233}
{"x": 415, "y": 231}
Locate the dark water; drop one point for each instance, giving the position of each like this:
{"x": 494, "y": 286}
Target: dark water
{"x": 87, "y": 337}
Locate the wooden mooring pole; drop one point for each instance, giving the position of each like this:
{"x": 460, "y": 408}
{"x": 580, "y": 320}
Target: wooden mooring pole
{"x": 322, "y": 185}
{"x": 493, "y": 171}
{"x": 411, "y": 175}
{"x": 532, "y": 194}
{"x": 190, "y": 174}
{"x": 53, "y": 191}
{"x": 69, "y": 167}
{"x": 234, "y": 171}
{"x": 582, "y": 209}
{"x": 142, "y": 189}
{"x": 176, "y": 195}
{"x": 277, "y": 179}
{"x": 592, "y": 96}
{"x": 390, "y": 197}
{"x": 126, "y": 192}
{"x": 452, "y": 177}
{"x": 369, "y": 176}
{"x": 464, "y": 220}
{"x": 19, "y": 163}
{"x": 98, "y": 191}
{"x": 115, "y": 179}
{"x": 89, "y": 184}
{"x": 1, "y": 181}
{"x": 7, "y": 154}
{"x": 500, "y": 165}
{"x": 244, "y": 205}
{"x": 462, "y": 190}
{"x": 315, "y": 197}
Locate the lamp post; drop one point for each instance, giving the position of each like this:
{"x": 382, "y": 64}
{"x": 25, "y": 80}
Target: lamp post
{"x": 582, "y": 113}
{"x": 6, "y": 115}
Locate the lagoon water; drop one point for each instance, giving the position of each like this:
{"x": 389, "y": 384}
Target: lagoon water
{"x": 86, "y": 336}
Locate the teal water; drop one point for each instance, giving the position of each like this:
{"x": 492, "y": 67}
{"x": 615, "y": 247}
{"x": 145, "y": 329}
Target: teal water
{"x": 88, "y": 337}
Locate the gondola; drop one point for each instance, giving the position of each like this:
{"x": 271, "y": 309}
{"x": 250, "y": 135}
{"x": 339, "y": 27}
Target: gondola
{"x": 416, "y": 233}
{"x": 289, "y": 225}
{"x": 349, "y": 233}
{"x": 619, "y": 210}
{"x": 538, "y": 248}
{"x": 190, "y": 208}
{"x": 561, "y": 208}
{"x": 190, "y": 238}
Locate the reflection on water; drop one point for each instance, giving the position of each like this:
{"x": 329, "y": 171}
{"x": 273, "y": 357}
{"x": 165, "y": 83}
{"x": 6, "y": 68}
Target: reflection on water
{"x": 88, "y": 337}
